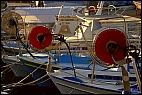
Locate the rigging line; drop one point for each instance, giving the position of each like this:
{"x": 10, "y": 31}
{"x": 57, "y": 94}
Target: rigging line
{"x": 87, "y": 45}
{"x": 5, "y": 70}
{"x": 18, "y": 38}
{"x": 32, "y": 82}
{"x": 61, "y": 38}
{"x": 44, "y": 81}
{"x": 27, "y": 76}
{"x": 38, "y": 79}
{"x": 25, "y": 47}
{"x": 137, "y": 74}
{"x": 71, "y": 58}
{"x": 9, "y": 64}
{"x": 15, "y": 84}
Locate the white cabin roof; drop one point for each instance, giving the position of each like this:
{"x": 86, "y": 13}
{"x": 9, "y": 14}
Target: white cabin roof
{"x": 44, "y": 14}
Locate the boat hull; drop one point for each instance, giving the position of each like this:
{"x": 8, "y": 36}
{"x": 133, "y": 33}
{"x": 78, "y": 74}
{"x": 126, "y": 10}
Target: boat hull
{"x": 40, "y": 72}
{"x": 18, "y": 69}
{"x": 67, "y": 87}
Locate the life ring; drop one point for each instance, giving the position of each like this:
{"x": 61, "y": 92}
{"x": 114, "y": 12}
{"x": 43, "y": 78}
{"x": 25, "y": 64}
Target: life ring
{"x": 108, "y": 42}
{"x": 40, "y": 37}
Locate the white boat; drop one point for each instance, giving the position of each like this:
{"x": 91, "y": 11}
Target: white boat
{"x": 65, "y": 79}
{"x": 67, "y": 83}
{"x": 62, "y": 60}
{"x": 77, "y": 81}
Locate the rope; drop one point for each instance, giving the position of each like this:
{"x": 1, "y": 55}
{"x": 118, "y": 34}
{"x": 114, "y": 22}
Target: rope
{"x": 32, "y": 82}
{"x": 137, "y": 74}
{"x": 9, "y": 64}
{"x": 125, "y": 76}
{"x": 5, "y": 70}
{"x": 29, "y": 74}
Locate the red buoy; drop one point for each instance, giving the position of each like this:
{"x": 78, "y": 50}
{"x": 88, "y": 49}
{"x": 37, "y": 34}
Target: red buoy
{"x": 108, "y": 42}
{"x": 40, "y": 37}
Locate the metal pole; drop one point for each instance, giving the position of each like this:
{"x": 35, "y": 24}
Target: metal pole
{"x": 137, "y": 75}
{"x": 93, "y": 72}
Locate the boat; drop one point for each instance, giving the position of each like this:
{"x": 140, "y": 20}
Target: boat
{"x": 22, "y": 65}
{"x": 23, "y": 70}
{"x": 56, "y": 60}
{"x": 71, "y": 80}
{"x": 14, "y": 64}
{"x": 77, "y": 81}
{"x": 67, "y": 83}
{"x": 64, "y": 77}
{"x": 20, "y": 12}
{"x": 13, "y": 47}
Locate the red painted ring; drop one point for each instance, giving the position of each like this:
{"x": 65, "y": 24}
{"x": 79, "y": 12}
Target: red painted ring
{"x": 37, "y": 31}
{"x": 101, "y": 41}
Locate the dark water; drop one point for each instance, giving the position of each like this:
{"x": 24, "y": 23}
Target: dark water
{"x": 9, "y": 77}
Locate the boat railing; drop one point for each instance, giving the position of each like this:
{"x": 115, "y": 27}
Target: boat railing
{"x": 113, "y": 10}
{"x": 110, "y": 8}
{"x": 131, "y": 26}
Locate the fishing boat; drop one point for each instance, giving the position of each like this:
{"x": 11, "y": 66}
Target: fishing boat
{"x": 13, "y": 47}
{"x": 21, "y": 69}
{"x": 56, "y": 60}
{"x": 67, "y": 83}
{"x": 81, "y": 81}
{"x": 64, "y": 77}
{"x": 20, "y": 13}
{"x": 14, "y": 64}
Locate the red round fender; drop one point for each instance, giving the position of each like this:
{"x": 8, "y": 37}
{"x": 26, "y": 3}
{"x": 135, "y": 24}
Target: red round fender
{"x": 110, "y": 36}
{"x": 40, "y": 37}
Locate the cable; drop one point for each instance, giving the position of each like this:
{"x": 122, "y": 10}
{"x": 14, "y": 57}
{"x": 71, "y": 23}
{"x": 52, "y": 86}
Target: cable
{"x": 13, "y": 22}
{"x": 61, "y": 38}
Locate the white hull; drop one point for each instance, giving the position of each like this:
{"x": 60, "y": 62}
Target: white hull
{"x": 67, "y": 87}
{"x": 67, "y": 83}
